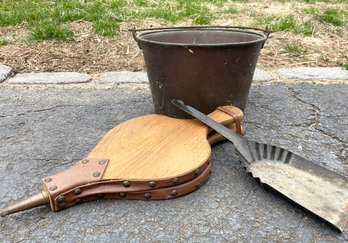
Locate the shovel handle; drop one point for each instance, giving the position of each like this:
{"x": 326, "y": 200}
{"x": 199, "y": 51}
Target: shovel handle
{"x": 234, "y": 137}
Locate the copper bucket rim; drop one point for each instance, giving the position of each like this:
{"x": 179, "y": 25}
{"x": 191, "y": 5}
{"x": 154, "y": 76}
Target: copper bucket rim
{"x": 237, "y": 29}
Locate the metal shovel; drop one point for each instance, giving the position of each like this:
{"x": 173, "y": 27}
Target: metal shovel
{"x": 309, "y": 185}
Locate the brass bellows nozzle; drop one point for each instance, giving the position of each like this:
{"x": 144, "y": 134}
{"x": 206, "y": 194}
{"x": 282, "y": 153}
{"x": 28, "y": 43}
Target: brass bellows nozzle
{"x": 39, "y": 199}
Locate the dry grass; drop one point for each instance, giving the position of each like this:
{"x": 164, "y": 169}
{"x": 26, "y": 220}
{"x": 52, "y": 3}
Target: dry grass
{"x": 87, "y": 53}
{"x": 92, "y": 53}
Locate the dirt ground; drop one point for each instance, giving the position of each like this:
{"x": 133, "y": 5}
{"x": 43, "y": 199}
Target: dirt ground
{"x": 91, "y": 53}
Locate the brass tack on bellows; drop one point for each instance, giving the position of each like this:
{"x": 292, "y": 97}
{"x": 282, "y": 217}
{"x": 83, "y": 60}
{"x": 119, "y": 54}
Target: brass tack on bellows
{"x": 122, "y": 194}
{"x": 152, "y": 184}
{"x": 196, "y": 172}
{"x": 126, "y": 183}
{"x": 61, "y": 199}
{"x": 102, "y": 162}
{"x": 48, "y": 179}
{"x": 175, "y": 180}
{"x": 53, "y": 188}
{"x": 85, "y": 161}
{"x": 174, "y": 193}
{"x": 96, "y": 174}
{"x": 147, "y": 195}
{"x": 78, "y": 200}
{"x": 77, "y": 191}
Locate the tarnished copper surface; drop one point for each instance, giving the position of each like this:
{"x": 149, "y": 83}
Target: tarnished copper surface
{"x": 84, "y": 178}
{"x": 117, "y": 187}
{"x": 81, "y": 173}
{"x": 216, "y": 62}
{"x": 112, "y": 191}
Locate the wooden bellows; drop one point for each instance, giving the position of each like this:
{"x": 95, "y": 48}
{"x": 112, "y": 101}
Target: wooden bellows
{"x": 147, "y": 157}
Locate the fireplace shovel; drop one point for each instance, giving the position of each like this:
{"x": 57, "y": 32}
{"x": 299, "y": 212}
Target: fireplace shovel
{"x": 309, "y": 185}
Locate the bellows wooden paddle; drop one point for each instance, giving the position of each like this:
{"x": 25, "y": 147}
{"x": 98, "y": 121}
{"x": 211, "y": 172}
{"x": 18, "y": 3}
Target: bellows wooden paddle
{"x": 148, "y": 157}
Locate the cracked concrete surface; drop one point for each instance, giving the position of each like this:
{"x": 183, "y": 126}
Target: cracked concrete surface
{"x": 45, "y": 129}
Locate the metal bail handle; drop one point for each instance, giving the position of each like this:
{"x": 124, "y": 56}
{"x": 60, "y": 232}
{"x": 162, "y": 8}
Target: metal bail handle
{"x": 135, "y": 37}
{"x": 266, "y": 31}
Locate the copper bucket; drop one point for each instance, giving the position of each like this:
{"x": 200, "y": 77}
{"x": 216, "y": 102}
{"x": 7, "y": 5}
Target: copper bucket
{"x": 205, "y": 66}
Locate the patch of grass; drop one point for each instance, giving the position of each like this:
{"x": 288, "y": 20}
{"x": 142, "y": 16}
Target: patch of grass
{"x": 38, "y": 14}
{"x": 343, "y": 65}
{"x": 311, "y": 11}
{"x": 202, "y": 18}
{"x": 29, "y": 12}
{"x": 166, "y": 13}
{"x": 195, "y": 10}
{"x": 107, "y": 15}
{"x": 264, "y": 20}
{"x": 326, "y": 1}
{"x": 241, "y": 1}
{"x": 285, "y": 23}
{"x": 331, "y": 16}
{"x": 106, "y": 27}
{"x": 307, "y": 28}
{"x": 65, "y": 11}
{"x": 288, "y": 23}
{"x": 141, "y": 3}
{"x": 175, "y": 11}
{"x": 310, "y": 1}
{"x": 231, "y": 10}
{"x": 44, "y": 30}
{"x": 324, "y": 58}
{"x": 3, "y": 42}
{"x": 295, "y": 49}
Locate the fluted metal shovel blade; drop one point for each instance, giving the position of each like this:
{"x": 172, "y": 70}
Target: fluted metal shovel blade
{"x": 317, "y": 189}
